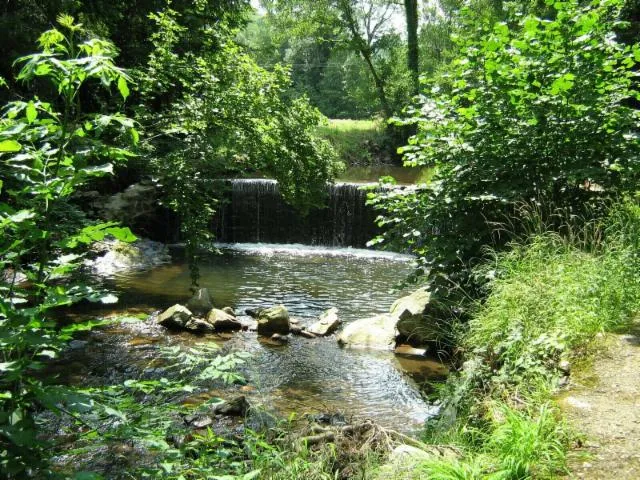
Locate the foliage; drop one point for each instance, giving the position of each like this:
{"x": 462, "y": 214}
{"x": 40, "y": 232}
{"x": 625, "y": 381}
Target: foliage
{"x": 548, "y": 299}
{"x": 229, "y": 116}
{"x": 532, "y": 110}
{"x": 126, "y": 23}
{"x": 47, "y": 154}
{"x": 341, "y": 51}
{"x": 521, "y": 444}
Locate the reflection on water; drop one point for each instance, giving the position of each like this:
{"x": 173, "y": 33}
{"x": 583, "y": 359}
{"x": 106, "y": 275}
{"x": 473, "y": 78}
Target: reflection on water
{"x": 304, "y": 375}
{"x": 403, "y": 175}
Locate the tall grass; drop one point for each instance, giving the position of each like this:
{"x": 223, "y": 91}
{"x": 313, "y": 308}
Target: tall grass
{"x": 548, "y": 298}
{"x": 358, "y": 142}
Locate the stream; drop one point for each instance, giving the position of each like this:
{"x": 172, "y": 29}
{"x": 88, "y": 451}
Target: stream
{"x": 303, "y": 376}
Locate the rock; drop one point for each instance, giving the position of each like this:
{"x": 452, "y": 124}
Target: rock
{"x": 181, "y": 318}
{"x": 409, "y": 350}
{"x": 235, "y": 406}
{"x": 136, "y": 206}
{"x": 327, "y": 324}
{"x": 9, "y": 275}
{"x": 404, "y": 459}
{"x": 565, "y": 366}
{"x": 199, "y": 325}
{"x": 229, "y": 311}
{"x": 412, "y": 325}
{"x": 117, "y": 257}
{"x": 175, "y": 317}
{"x": 412, "y": 305}
{"x": 276, "y": 337}
{"x": 221, "y": 320}
{"x": 377, "y": 332}
{"x": 273, "y": 320}
{"x": 254, "y": 312}
{"x": 301, "y": 332}
{"x": 294, "y": 321}
{"x": 200, "y": 303}
{"x": 77, "y": 344}
{"x": 198, "y": 421}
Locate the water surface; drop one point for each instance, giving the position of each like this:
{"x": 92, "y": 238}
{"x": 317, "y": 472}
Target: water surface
{"x": 305, "y": 375}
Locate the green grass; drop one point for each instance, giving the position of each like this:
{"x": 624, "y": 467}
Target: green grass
{"x": 358, "y": 142}
{"x": 548, "y": 299}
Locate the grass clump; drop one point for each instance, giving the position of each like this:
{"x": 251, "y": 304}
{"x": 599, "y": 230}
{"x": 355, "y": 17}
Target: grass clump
{"x": 548, "y": 298}
{"x": 358, "y": 142}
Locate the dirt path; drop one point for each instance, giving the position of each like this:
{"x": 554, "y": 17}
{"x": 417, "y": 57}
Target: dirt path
{"x": 604, "y": 405}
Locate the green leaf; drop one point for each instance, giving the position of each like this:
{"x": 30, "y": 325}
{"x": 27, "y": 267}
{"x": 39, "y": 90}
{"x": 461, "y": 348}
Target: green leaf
{"x": 123, "y": 87}
{"x": 122, "y": 233}
{"x": 31, "y": 112}
{"x": 10, "y": 146}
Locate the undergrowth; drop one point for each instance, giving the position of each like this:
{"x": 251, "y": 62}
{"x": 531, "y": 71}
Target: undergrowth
{"x": 548, "y": 298}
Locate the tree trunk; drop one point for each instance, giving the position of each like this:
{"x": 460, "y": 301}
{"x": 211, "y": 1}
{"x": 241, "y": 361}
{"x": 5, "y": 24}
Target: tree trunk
{"x": 411, "y": 13}
{"x": 364, "y": 49}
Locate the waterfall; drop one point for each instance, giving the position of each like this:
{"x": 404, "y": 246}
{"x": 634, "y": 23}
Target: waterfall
{"x": 255, "y": 212}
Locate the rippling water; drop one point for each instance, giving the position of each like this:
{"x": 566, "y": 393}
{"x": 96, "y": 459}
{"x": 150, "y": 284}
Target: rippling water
{"x": 306, "y": 375}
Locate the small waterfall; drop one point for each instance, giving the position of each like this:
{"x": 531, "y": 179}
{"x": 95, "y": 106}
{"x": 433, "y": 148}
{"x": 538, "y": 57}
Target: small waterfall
{"x": 256, "y": 212}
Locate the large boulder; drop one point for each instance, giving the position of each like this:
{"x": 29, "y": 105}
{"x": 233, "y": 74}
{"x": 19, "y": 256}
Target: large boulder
{"x": 412, "y": 325}
{"x": 378, "y": 333}
{"x": 273, "y": 320}
{"x": 327, "y": 324}
{"x": 200, "y": 304}
{"x": 221, "y": 320}
{"x": 175, "y": 317}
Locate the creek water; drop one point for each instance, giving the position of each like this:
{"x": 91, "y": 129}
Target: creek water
{"x": 305, "y": 375}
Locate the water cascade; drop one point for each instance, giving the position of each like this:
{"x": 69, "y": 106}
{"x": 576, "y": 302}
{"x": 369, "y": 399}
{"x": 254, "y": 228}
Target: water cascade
{"x": 256, "y": 212}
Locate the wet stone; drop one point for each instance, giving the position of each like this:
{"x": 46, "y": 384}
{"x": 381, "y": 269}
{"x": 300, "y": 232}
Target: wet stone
{"x": 200, "y": 303}
{"x": 327, "y": 324}
{"x": 234, "y": 406}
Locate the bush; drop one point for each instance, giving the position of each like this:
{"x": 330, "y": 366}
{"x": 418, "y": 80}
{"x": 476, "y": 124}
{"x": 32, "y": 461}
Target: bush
{"x": 533, "y": 110}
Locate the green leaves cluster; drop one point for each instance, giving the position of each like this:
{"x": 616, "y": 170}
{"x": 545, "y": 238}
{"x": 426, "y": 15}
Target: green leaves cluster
{"x": 535, "y": 109}
{"x": 49, "y": 149}
{"x": 215, "y": 113}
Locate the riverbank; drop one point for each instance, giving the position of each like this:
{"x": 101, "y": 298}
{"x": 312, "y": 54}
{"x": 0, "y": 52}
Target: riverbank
{"x": 550, "y": 298}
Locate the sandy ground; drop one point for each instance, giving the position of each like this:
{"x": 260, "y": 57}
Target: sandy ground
{"x": 603, "y": 404}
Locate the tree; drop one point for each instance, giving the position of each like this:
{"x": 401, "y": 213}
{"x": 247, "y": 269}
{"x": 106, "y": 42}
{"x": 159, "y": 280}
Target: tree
{"x": 532, "y": 110}
{"x": 361, "y": 26}
{"x": 212, "y": 113}
{"x": 413, "y": 57}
